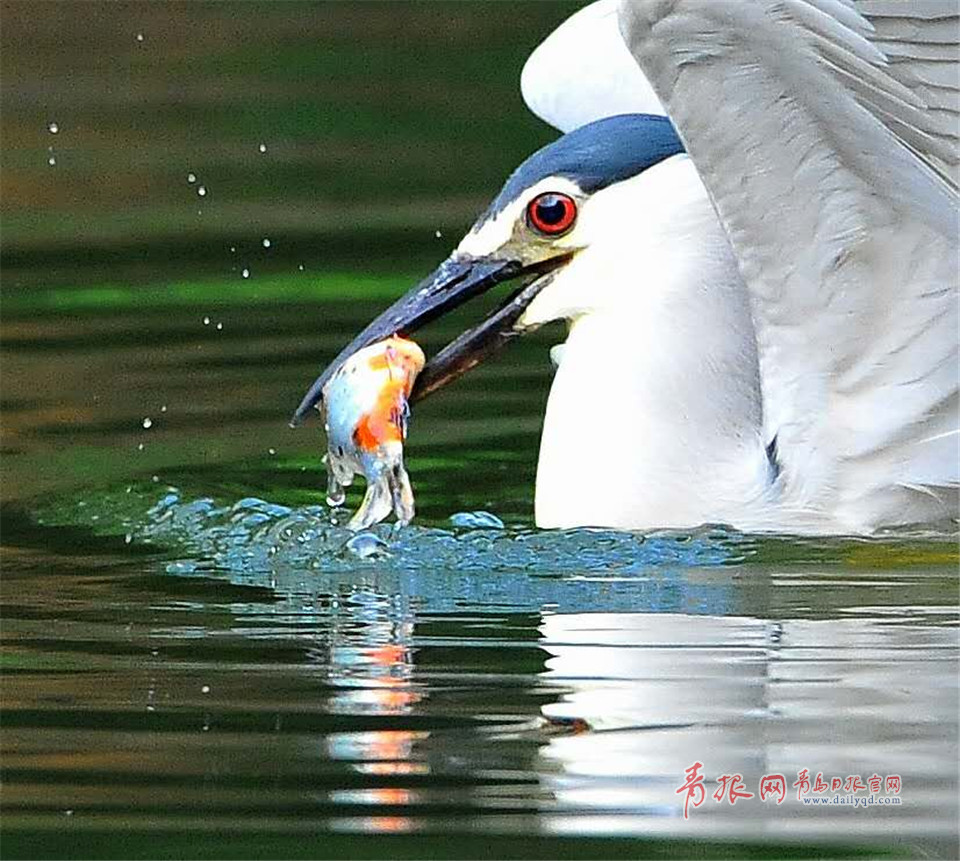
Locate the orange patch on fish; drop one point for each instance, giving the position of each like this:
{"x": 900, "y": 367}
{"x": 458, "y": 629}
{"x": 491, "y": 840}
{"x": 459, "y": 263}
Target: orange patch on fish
{"x": 402, "y": 360}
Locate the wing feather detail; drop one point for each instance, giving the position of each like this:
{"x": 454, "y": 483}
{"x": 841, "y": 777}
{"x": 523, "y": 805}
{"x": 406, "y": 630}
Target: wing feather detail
{"x": 831, "y": 160}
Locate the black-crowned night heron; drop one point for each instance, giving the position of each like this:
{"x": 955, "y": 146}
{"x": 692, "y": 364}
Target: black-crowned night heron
{"x": 761, "y": 295}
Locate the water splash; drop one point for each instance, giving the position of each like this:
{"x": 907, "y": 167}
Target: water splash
{"x": 307, "y": 551}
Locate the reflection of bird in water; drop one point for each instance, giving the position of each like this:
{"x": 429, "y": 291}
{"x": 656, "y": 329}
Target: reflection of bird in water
{"x": 762, "y": 295}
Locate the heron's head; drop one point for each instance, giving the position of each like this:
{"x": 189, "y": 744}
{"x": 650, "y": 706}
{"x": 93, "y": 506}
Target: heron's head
{"x": 572, "y": 202}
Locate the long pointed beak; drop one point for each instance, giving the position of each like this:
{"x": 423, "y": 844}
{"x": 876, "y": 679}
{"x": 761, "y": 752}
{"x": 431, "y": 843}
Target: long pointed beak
{"x": 458, "y": 279}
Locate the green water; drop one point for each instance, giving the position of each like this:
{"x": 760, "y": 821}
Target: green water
{"x": 224, "y": 679}
{"x": 194, "y": 662}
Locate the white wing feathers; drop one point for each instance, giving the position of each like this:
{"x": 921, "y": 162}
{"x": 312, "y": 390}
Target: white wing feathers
{"x": 583, "y": 72}
{"x": 823, "y": 137}
{"x": 920, "y": 42}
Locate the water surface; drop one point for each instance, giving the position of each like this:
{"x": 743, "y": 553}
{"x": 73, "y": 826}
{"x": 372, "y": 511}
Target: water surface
{"x": 197, "y": 662}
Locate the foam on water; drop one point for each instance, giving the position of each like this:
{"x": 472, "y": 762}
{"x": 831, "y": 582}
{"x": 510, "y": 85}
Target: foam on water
{"x": 256, "y": 534}
{"x": 308, "y": 550}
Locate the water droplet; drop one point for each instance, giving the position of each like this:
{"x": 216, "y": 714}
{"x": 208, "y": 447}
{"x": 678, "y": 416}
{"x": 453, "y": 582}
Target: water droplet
{"x": 205, "y": 689}
{"x": 53, "y": 128}
{"x": 272, "y": 450}
{"x": 438, "y": 234}
{"x": 300, "y": 267}
{"x": 206, "y": 321}
{"x": 128, "y": 538}
{"x": 139, "y": 37}
{"x": 51, "y": 161}
{"x": 219, "y": 327}
{"x": 233, "y": 249}
{"x": 245, "y": 273}
{"x": 155, "y": 479}
{"x": 335, "y": 497}
{"x": 191, "y": 178}
{"x": 262, "y": 147}
{"x": 147, "y": 423}
{"x": 163, "y": 408}
{"x": 140, "y": 447}
{"x": 266, "y": 243}
{"x": 202, "y": 190}
{"x": 68, "y": 813}
{"x": 150, "y": 709}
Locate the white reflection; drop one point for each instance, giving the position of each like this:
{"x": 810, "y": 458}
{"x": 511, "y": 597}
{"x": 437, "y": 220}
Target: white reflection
{"x": 646, "y": 695}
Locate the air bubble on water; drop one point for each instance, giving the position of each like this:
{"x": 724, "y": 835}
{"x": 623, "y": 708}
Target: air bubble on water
{"x": 155, "y": 479}
{"x": 51, "y": 161}
{"x": 202, "y": 190}
{"x": 245, "y": 273}
{"x": 438, "y": 234}
{"x": 476, "y": 520}
{"x": 266, "y": 243}
{"x": 205, "y": 689}
{"x": 366, "y": 545}
{"x": 68, "y": 813}
{"x": 139, "y": 37}
{"x": 53, "y": 128}
{"x": 272, "y": 450}
{"x": 219, "y": 327}
{"x": 150, "y": 709}
{"x": 206, "y": 321}
{"x": 147, "y": 423}
{"x": 191, "y": 178}
{"x": 262, "y": 147}
{"x": 140, "y": 447}
{"x": 300, "y": 267}
{"x": 233, "y": 249}
{"x": 163, "y": 408}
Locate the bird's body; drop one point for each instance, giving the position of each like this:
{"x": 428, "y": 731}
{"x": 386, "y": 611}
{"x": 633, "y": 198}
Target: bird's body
{"x": 762, "y": 297}
{"x": 664, "y": 435}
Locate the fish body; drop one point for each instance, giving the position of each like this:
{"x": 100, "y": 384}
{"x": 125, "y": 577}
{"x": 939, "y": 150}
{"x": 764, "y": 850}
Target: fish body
{"x": 365, "y": 406}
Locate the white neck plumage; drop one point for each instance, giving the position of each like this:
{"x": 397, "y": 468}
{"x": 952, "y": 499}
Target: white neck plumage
{"x": 662, "y": 358}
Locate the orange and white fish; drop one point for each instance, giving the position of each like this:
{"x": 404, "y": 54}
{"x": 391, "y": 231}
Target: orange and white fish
{"x": 365, "y": 407}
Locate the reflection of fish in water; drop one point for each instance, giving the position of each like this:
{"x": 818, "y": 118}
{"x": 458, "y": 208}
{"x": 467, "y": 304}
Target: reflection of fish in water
{"x": 365, "y": 416}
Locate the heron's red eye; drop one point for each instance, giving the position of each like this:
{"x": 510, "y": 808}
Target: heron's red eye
{"x": 552, "y": 213}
